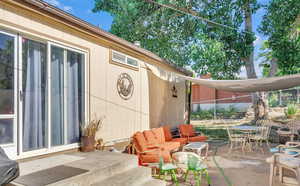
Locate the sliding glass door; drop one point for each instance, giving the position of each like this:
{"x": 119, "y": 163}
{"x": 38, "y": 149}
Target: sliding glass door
{"x": 42, "y": 95}
{"x": 34, "y": 95}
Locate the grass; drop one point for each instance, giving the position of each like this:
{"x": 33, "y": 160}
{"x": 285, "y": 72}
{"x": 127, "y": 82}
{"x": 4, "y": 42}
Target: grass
{"x": 213, "y": 132}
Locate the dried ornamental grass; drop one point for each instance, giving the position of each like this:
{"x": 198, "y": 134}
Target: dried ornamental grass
{"x": 91, "y": 128}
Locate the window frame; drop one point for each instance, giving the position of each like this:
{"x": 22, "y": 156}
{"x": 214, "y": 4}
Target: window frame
{"x": 125, "y": 64}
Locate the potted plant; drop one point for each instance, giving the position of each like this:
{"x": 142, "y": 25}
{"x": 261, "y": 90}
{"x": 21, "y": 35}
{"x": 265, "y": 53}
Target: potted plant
{"x": 291, "y": 111}
{"x": 89, "y": 131}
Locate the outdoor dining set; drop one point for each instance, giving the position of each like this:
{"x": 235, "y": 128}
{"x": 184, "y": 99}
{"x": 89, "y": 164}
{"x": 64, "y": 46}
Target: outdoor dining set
{"x": 285, "y": 157}
{"x": 247, "y": 137}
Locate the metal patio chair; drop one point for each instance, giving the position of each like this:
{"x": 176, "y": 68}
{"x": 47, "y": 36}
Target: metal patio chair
{"x": 236, "y": 140}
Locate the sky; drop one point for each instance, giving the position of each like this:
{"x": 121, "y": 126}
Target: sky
{"x": 83, "y": 10}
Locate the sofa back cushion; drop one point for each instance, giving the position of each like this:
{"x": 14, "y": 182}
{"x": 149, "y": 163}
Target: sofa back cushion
{"x": 186, "y": 130}
{"x": 159, "y": 134}
{"x": 167, "y": 133}
{"x": 140, "y": 141}
{"x": 151, "y": 138}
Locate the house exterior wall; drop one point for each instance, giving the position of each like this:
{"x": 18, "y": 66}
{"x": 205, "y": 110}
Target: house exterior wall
{"x": 151, "y": 99}
{"x": 166, "y": 109}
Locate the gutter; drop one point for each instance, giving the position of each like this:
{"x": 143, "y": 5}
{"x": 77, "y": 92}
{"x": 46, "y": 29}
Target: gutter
{"x": 56, "y": 12}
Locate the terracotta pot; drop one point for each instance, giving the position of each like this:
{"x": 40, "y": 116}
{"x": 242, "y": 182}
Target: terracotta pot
{"x": 291, "y": 116}
{"x": 88, "y": 143}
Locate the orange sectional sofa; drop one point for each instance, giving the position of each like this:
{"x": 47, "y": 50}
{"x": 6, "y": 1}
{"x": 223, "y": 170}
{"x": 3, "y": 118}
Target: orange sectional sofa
{"x": 151, "y": 145}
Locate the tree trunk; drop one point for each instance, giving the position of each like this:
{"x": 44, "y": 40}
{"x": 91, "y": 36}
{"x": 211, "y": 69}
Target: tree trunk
{"x": 273, "y": 67}
{"x": 259, "y": 105}
{"x": 249, "y": 60}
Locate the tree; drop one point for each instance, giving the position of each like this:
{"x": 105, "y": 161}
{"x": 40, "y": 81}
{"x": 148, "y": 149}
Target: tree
{"x": 181, "y": 38}
{"x": 269, "y": 62}
{"x": 186, "y": 40}
{"x": 278, "y": 24}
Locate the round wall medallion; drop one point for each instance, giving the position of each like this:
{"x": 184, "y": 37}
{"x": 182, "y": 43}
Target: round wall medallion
{"x": 125, "y": 86}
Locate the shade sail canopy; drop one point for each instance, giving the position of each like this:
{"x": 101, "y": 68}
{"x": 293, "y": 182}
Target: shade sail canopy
{"x": 249, "y": 85}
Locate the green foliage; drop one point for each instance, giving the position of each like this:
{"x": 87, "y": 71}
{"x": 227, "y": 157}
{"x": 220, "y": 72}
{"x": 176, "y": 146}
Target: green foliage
{"x": 213, "y": 132}
{"x": 184, "y": 39}
{"x": 273, "y": 100}
{"x": 267, "y": 56}
{"x": 228, "y": 113}
{"x": 277, "y": 25}
{"x": 291, "y": 110}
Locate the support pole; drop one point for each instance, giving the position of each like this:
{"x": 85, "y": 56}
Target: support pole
{"x": 280, "y": 99}
{"x": 298, "y": 97}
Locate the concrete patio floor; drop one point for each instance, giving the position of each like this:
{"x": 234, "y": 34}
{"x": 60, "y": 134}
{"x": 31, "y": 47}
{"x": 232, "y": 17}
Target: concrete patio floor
{"x": 83, "y": 169}
{"x": 249, "y": 169}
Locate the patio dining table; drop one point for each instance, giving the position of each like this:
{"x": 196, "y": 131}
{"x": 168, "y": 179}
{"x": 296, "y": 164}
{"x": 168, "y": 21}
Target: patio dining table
{"x": 247, "y": 130}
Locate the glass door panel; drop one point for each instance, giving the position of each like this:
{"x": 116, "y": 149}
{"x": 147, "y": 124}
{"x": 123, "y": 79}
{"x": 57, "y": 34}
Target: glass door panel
{"x": 8, "y": 63}
{"x": 57, "y": 96}
{"x": 6, "y": 131}
{"x": 34, "y": 88}
{"x": 7, "y": 88}
{"x": 7, "y": 55}
{"x": 74, "y": 95}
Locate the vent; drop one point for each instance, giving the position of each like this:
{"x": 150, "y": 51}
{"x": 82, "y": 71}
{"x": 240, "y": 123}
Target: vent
{"x": 124, "y": 59}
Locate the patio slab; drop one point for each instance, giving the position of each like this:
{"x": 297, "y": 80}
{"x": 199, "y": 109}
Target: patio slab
{"x": 249, "y": 169}
{"x": 96, "y": 168}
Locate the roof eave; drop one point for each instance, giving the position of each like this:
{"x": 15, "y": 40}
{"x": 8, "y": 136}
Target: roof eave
{"x": 56, "y": 12}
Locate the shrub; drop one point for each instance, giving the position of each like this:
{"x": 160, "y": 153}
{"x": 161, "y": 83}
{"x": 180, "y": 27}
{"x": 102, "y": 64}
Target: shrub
{"x": 291, "y": 110}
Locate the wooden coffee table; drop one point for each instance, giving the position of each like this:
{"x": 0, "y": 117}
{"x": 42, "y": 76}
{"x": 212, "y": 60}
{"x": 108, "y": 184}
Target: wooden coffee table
{"x": 197, "y": 147}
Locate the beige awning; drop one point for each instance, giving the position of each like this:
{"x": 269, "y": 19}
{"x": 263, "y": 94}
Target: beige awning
{"x": 249, "y": 85}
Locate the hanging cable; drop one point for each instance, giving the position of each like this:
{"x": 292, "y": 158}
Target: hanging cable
{"x": 194, "y": 14}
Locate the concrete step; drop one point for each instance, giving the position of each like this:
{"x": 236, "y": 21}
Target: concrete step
{"x": 154, "y": 182}
{"x": 100, "y": 166}
{"x": 133, "y": 177}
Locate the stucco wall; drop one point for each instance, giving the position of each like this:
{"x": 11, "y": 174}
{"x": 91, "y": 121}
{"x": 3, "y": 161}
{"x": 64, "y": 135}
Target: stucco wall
{"x": 166, "y": 109}
{"x": 151, "y": 98}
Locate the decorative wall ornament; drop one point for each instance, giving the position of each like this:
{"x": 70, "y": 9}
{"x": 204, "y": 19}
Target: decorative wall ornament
{"x": 125, "y": 86}
{"x": 174, "y": 91}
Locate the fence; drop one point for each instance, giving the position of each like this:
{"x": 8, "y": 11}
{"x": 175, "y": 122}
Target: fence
{"x": 284, "y": 97}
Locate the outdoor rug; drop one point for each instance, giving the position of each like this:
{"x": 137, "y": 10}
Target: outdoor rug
{"x": 49, "y": 176}
{"x": 29, "y": 167}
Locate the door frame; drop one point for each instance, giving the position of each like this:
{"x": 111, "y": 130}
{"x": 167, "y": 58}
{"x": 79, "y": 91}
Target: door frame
{"x": 17, "y": 145}
{"x": 12, "y": 148}
{"x": 49, "y": 148}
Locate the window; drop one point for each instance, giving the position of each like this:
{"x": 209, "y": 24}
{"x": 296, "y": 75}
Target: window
{"x": 124, "y": 59}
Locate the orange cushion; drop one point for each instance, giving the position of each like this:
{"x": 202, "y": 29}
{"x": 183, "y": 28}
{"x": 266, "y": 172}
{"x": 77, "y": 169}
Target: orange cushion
{"x": 186, "y": 130}
{"x": 140, "y": 141}
{"x": 150, "y": 137}
{"x": 159, "y": 134}
{"x": 169, "y": 146}
{"x": 198, "y": 139}
{"x": 154, "y": 156}
{"x": 167, "y": 133}
{"x": 182, "y": 141}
